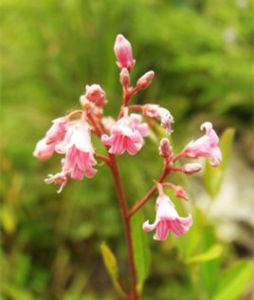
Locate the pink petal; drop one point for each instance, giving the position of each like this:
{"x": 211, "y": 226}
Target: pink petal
{"x": 149, "y": 227}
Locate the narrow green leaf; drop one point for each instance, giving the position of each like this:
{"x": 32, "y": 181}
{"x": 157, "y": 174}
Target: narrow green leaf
{"x": 212, "y": 253}
{"x": 209, "y": 269}
{"x": 112, "y": 268}
{"x": 213, "y": 176}
{"x": 233, "y": 281}
{"x": 141, "y": 249}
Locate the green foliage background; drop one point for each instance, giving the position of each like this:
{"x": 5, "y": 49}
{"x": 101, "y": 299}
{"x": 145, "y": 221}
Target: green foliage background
{"x": 202, "y": 54}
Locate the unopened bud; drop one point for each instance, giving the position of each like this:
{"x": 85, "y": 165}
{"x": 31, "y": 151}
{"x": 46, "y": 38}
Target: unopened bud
{"x": 125, "y": 78}
{"x": 145, "y": 80}
{"x": 191, "y": 168}
{"x": 123, "y": 52}
{"x": 96, "y": 94}
{"x": 181, "y": 193}
{"x": 165, "y": 149}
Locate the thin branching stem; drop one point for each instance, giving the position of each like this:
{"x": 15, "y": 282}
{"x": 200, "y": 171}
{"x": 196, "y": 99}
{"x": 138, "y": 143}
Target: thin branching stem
{"x": 127, "y": 227}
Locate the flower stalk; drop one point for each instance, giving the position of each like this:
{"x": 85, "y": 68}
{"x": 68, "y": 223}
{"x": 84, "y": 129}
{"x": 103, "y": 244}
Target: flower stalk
{"x": 71, "y": 136}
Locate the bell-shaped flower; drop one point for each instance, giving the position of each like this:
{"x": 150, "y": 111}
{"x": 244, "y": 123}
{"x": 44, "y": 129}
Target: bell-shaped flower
{"x": 57, "y": 131}
{"x": 161, "y": 114}
{"x": 123, "y": 52}
{"x": 205, "y": 146}
{"x": 167, "y": 220}
{"x": 77, "y": 146}
{"x": 44, "y": 149}
{"x": 127, "y": 134}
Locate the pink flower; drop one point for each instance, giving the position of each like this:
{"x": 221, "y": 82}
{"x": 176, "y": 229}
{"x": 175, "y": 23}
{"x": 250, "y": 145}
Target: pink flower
{"x": 123, "y": 52}
{"x": 126, "y": 134}
{"x": 78, "y": 151}
{"x": 57, "y": 131}
{"x": 205, "y": 146}
{"x": 43, "y": 151}
{"x": 161, "y": 114}
{"x": 167, "y": 219}
{"x": 96, "y": 95}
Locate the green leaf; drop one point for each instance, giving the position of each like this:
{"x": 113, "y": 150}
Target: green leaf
{"x": 112, "y": 268}
{"x": 209, "y": 269}
{"x": 212, "y": 253}
{"x": 233, "y": 281}
{"x": 8, "y": 219}
{"x": 213, "y": 176}
{"x": 141, "y": 249}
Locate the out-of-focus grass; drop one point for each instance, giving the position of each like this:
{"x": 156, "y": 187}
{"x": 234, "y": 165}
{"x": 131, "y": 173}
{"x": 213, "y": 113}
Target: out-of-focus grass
{"x": 201, "y": 53}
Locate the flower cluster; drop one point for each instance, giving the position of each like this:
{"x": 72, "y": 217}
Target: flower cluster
{"x": 70, "y": 136}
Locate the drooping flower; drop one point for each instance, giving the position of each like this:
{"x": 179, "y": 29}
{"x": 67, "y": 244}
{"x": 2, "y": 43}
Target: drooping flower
{"x": 161, "y": 114}
{"x": 123, "y": 52}
{"x": 78, "y": 149}
{"x": 167, "y": 219}
{"x": 57, "y": 131}
{"x": 205, "y": 146}
{"x": 127, "y": 134}
{"x": 43, "y": 151}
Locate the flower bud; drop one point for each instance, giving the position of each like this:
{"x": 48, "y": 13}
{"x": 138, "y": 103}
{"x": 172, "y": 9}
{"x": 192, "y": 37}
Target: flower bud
{"x": 181, "y": 193}
{"x": 125, "y": 78}
{"x": 191, "y": 168}
{"x": 123, "y": 52}
{"x": 165, "y": 149}
{"x": 96, "y": 94}
{"x": 145, "y": 80}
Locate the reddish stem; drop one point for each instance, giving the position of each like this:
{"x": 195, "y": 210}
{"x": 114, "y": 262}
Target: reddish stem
{"x": 102, "y": 157}
{"x": 74, "y": 113}
{"x": 178, "y": 156}
{"x": 150, "y": 193}
{"x": 136, "y": 106}
{"x": 127, "y": 94}
{"x": 127, "y": 227}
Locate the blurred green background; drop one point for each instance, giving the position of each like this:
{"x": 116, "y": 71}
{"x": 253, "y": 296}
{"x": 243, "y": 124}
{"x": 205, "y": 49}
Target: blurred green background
{"x": 202, "y": 53}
